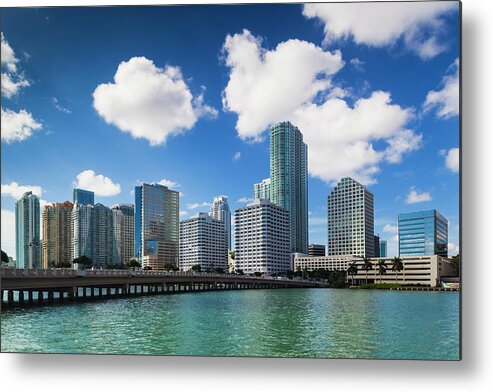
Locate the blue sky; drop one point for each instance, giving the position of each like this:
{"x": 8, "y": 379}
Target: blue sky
{"x": 106, "y": 97}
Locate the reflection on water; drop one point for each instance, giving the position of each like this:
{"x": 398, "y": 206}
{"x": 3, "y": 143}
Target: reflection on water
{"x": 282, "y": 323}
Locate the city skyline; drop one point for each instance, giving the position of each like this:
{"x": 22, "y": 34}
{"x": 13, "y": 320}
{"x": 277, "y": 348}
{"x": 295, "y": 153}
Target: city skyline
{"x": 419, "y": 172}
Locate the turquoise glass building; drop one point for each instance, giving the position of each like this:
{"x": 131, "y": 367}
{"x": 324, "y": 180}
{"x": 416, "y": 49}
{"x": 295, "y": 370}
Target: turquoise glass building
{"x": 289, "y": 180}
{"x": 27, "y": 232}
{"x": 423, "y": 233}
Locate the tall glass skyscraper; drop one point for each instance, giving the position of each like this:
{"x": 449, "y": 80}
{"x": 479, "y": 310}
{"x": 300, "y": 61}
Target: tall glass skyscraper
{"x": 350, "y": 214}
{"x": 289, "y": 180}
{"x": 157, "y": 225}
{"x": 123, "y": 229}
{"x": 84, "y": 197}
{"x": 220, "y": 211}
{"x": 27, "y": 236}
{"x": 423, "y": 233}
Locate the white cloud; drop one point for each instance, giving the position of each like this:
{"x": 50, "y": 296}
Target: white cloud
{"x": 244, "y": 199}
{"x": 99, "y": 184}
{"x": 149, "y": 102}
{"x": 58, "y": 107}
{"x": 453, "y": 249}
{"x": 357, "y": 63}
{"x": 417, "y": 24}
{"x": 266, "y": 87}
{"x": 193, "y": 206}
{"x": 16, "y": 191}
{"x": 316, "y": 221}
{"x": 168, "y": 183}
{"x": 8, "y": 232}
{"x": 416, "y": 196}
{"x": 18, "y": 126}
{"x": 452, "y": 160}
{"x": 12, "y": 81}
{"x": 446, "y": 100}
{"x": 236, "y": 156}
{"x": 183, "y": 213}
{"x": 388, "y": 228}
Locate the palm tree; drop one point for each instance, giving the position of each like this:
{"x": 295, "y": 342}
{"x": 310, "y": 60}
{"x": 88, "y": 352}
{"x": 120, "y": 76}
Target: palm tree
{"x": 367, "y": 265}
{"x": 397, "y": 266}
{"x": 352, "y": 270}
{"x": 382, "y": 269}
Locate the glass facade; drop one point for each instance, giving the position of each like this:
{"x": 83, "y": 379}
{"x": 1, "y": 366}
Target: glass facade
{"x": 83, "y": 197}
{"x": 157, "y": 225}
{"x": 423, "y": 233}
{"x": 289, "y": 180}
{"x": 27, "y": 232}
{"x": 383, "y": 248}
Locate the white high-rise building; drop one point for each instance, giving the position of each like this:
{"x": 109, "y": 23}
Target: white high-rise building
{"x": 203, "y": 241}
{"x": 83, "y": 230}
{"x": 220, "y": 211}
{"x": 350, "y": 215}
{"x": 262, "y": 238}
{"x": 27, "y": 233}
{"x": 261, "y": 190}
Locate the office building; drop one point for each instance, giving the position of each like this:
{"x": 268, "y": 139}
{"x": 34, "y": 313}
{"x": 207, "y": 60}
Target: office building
{"x": 329, "y": 263}
{"x": 376, "y": 246}
{"x": 27, "y": 233}
{"x": 350, "y": 220}
{"x": 203, "y": 241}
{"x": 383, "y": 248}
{"x": 84, "y": 197}
{"x": 123, "y": 230}
{"x": 316, "y": 250}
{"x": 157, "y": 225}
{"x": 261, "y": 190}
{"x": 57, "y": 234}
{"x": 262, "y": 240}
{"x": 289, "y": 180}
{"x": 220, "y": 211}
{"x": 104, "y": 247}
{"x": 423, "y": 233}
{"x": 82, "y": 230}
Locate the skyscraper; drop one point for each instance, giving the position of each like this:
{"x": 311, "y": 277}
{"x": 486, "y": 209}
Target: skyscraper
{"x": 261, "y": 190}
{"x": 157, "y": 225}
{"x": 220, "y": 211}
{"x": 383, "y": 248}
{"x": 82, "y": 230}
{"x": 289, "y": 180}
{"x": 27, "y": 236}
{"x": 203, "y": 241}
{"x": 57, "y": 234}
{"x": 350, "y": 214}
{"x": 423, "y": 233}
{"x": 104, "y": 247}
{"x": 262, "y": 238}
{"x": 123, "y": 230}
{"x": 84, "y": 197}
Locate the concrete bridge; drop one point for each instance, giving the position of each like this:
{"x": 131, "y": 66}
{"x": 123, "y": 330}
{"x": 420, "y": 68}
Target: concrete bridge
{"x": 50, "y": 286}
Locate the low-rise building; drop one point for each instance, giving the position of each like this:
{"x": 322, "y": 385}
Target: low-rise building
{"x": 316, "y": 250}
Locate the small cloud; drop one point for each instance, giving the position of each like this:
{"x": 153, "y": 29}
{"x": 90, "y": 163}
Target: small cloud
{"x": 453, "y": 249}
{"x": 12, "y": 79}
{"x": 58, "y": 107}
{"x": 16, "y": 191}
{"x": 442, "y": 152}
{"x": 445, "y": 101}
{"x": 193, "y": 206}
{"x": 388, "y": 228}
{"x": 18, "y": 126}
{"x": 244, "y": 199}
{"x": 452, "y": 160}
{"x": 168, "y": 183}
{"x": 99, "y": 184}
{"x": 183, "y": 213}
{"x": 357, "y": 63}
{"x": 236, "y": 156}
{"x": 416, "y": 196}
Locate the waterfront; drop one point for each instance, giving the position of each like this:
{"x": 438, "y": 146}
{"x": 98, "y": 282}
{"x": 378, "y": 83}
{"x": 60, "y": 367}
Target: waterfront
{"x": 323, "y": 323}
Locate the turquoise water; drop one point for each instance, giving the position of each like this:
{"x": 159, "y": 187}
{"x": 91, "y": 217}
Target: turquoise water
{"x": 323, "y": 323}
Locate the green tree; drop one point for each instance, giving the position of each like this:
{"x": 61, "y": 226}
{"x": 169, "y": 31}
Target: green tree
{"x": 169, "y": 267}
{"x": 196, "y": 268}
{"x": 382, "y": 268}
{"x": 257, "y": 274}
{"x": 232, "y": 254}
{"x": 397, "y": 266}
{"x": 5, "y": 257}
{"x": 63, "y": 264}
{"x": 454, "y": 264}
{"x": 83, "y": 261}
{"x": 352, "y": 270}
{"x": 367, "y": 265}
{"x": 134, "y": 263}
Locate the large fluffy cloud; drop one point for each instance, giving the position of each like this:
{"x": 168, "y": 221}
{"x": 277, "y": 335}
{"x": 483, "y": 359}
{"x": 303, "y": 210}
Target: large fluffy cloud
{"x": 149, "y": 102}
{"x": 99, "y": 184}
{"x": 18, "y": 126}
{"x": 446, "y": 100}
{"x": 418, "y": 24}
{"x": 12, "y": 80}
{"x": 292, "y": 82}
{"x": 16, "y": 191}
{"x": 265, "y": 86}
